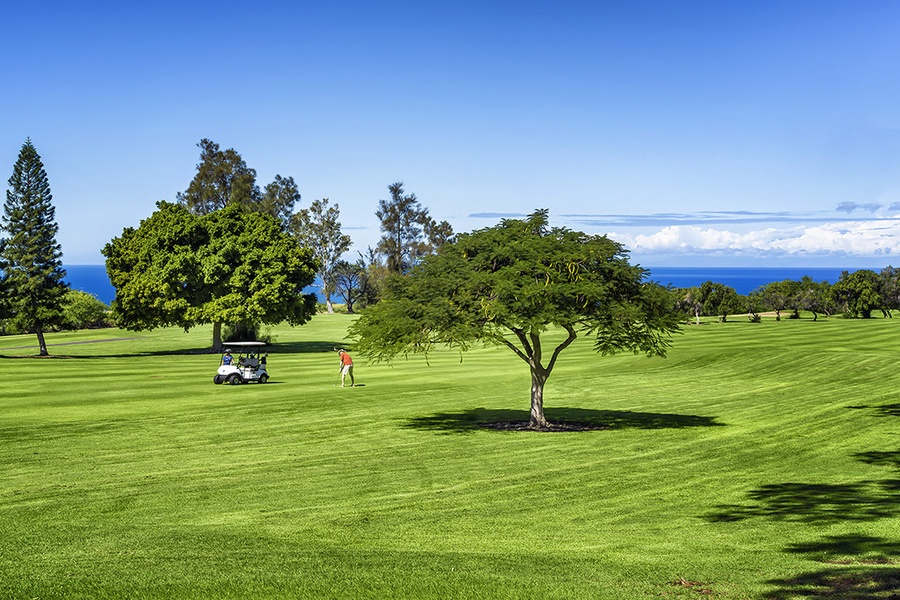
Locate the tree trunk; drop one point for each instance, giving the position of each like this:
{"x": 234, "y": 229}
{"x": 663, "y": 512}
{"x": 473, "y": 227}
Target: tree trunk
{"x": 217, "y": 337}
{"x": 42, "y": 344}
{"x": 538, "y": 379}
{"x": 329, "y": 308}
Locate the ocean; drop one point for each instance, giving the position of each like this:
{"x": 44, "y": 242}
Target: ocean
{"x": 93, "y": 278}
{"x": 743, "y": 279}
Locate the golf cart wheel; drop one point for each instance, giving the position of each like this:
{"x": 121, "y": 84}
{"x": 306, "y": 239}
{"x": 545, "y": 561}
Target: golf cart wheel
{"x": 235, "y": 379}
{"x": 217, "y": 379}
{"x": 263, "y": 378}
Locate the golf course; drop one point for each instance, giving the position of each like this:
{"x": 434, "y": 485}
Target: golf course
{"x": 755, "y": 461}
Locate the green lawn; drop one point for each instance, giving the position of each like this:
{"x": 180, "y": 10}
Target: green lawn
{"x": 756, "y": 461}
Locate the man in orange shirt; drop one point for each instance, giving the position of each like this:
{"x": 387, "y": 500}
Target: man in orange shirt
{"x": 346, "y": 367}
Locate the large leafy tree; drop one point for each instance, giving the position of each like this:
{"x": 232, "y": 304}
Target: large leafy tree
{"x": 319, "y": 227}
{"x": 228, "y": 266}
{"x": 30, "y": 257}
{"x": 511, "y": 284}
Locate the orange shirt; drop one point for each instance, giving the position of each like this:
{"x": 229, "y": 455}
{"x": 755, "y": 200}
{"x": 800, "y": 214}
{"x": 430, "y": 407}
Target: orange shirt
{"x": 346, "y": 360}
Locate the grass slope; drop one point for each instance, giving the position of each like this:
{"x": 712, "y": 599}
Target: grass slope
{"x": 757, "y": 461}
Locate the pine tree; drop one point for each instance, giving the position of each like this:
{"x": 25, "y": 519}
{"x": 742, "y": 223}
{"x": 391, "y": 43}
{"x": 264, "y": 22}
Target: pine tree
{"x": 30, "y": 257}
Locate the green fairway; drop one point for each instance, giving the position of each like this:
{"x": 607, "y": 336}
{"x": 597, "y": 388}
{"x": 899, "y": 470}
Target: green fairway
{"x": 756, "y": 461}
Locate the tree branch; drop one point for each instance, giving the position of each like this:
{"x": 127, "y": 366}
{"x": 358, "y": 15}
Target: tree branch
{"x": 562, "y": 346}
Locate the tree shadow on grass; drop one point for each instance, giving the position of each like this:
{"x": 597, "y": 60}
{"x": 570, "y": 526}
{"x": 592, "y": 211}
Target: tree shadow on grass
{"x": 856, "y": 583}
{"x": 885, "y": 410}
{"x": 817, "y": 503}
{"x": 273, "y": 348}
{"x": 850, "y": 549}
{"x": 562, "y": 419}
{"x": 861, "y": 566}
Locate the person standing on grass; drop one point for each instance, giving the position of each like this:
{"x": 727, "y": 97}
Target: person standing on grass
{"x": 346, "y": 367}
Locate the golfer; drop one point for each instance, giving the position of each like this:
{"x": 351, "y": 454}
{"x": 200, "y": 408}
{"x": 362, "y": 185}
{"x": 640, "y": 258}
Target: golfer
{"x": 346, "y": 367}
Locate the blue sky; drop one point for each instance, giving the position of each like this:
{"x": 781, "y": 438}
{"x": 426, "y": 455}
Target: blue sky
{"x": 697, "y": 133}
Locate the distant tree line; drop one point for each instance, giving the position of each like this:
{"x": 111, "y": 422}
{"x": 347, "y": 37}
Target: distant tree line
{"x": 856, "y": 294}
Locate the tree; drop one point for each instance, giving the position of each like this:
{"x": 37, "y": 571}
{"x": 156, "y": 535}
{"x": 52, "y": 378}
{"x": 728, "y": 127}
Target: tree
{"x": 688, "y": 301}
{"x": 222, "y": 178}
{"x": 318, "y": 227}
{"x": 279, "y": 199}
{"x": 889, "y": 290}
{"x": 228, "y": 266}
{"x": 857, "y": 293}
{"x": 720, "y": 300}
{"x": 351, "y": 282}
{"x": 30, "y": 257}
{"x": 521, "y": 279}
{"x": 778, "y": 296}
{"x": 815, "y": 296}
{"x": 84, "y": 310}
{"x": 402, "y": 219}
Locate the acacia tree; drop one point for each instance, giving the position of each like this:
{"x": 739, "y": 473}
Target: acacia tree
{"x": 520, "y": 278}
{"x": 30, "y": 257}
{"x": 228, "y": 266}
{"x": 318, "y": 227}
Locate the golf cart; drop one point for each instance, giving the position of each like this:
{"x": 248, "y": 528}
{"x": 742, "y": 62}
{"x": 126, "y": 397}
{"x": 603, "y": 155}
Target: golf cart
{"x": 248, "y": 364}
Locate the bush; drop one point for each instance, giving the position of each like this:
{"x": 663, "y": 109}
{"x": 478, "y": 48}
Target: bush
{"x": 85, "y": 311}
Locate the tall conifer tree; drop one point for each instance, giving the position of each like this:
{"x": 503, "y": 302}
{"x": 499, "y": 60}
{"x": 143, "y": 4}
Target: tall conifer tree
{"x": 30, "y": 257}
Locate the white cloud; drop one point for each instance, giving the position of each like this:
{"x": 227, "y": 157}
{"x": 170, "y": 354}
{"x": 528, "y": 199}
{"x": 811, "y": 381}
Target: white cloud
{"x": 877, "y": 237}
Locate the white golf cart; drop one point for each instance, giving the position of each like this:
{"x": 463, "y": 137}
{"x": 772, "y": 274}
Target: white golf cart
{"x": 248, "y": 364}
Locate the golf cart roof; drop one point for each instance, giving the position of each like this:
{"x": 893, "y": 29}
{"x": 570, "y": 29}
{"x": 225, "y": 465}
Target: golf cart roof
{"x": 246, "y": 344}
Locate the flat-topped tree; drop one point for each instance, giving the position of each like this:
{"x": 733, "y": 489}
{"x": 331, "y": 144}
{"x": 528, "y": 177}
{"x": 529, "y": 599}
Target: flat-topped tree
{"x": 508, "y": 285}
{"x": 30, "y": 258}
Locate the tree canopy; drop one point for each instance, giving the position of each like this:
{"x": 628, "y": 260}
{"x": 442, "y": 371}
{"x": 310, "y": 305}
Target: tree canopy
{"x": 223, "y": 178}
{"x": 30, "y": 257}
{"x": 508, "y": 285}
{"x": 228, "y": 266}
{"x": 858, "y": 293}
{"x": 408, "y": 231}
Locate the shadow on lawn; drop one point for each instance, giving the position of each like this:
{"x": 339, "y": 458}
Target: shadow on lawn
{"x": 57, "y": 350}
{"x": 817, "y": 503}
{"x": 846, "y": 583}
{"x": 859, "y": 566}
{"x": 885, "y": 410}
{"x": 563, "y": 419}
